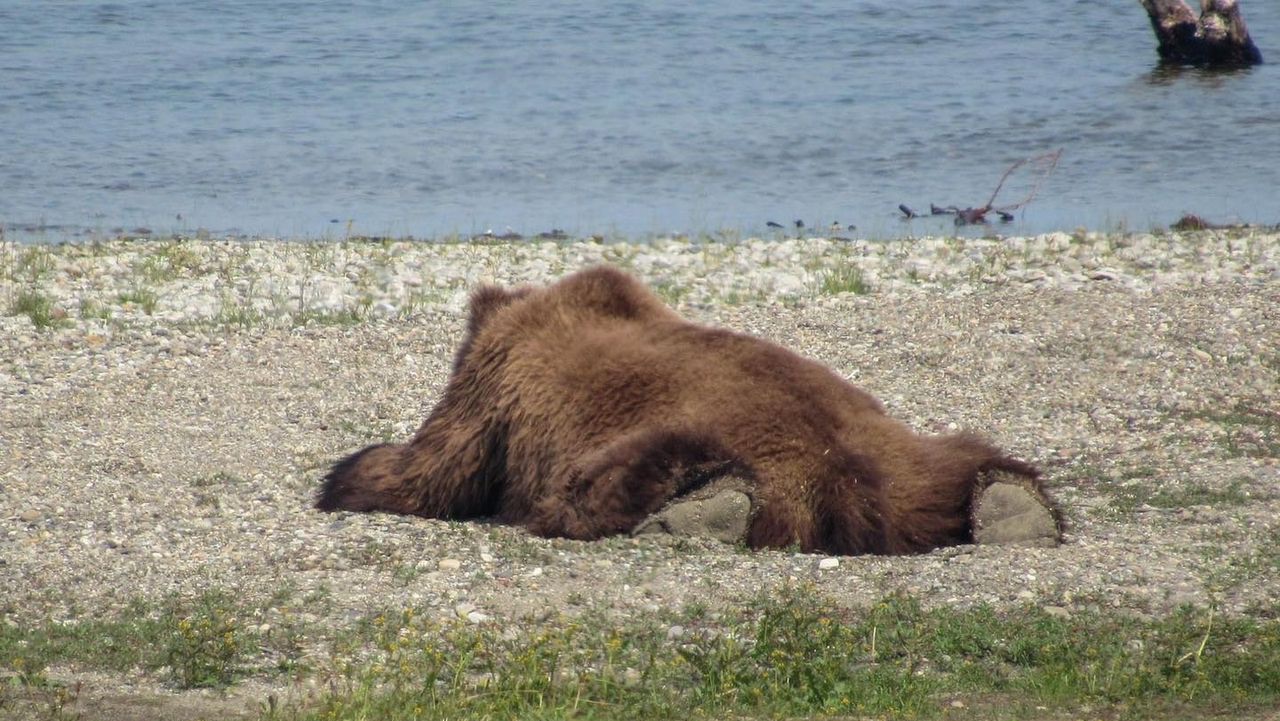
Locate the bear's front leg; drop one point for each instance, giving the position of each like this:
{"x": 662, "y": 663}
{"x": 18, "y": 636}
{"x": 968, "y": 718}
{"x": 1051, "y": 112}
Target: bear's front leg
{"x": 454, "y": 467}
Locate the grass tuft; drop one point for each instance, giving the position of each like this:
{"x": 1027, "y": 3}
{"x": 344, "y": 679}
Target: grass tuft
{"x": 844, "y": 279}
{"x": 144, "y": 298}
{"x": 38, "y": 307}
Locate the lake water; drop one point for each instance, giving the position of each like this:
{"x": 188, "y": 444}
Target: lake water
{"x": 432, "y": 118}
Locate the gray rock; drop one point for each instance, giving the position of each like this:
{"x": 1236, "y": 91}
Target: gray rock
{"x": 1009, "y": 514}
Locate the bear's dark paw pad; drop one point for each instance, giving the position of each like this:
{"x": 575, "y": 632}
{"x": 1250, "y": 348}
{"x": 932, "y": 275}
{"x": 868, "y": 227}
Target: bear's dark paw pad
{"x": 1012, "y": 514}
{"x": 720, "y": 511}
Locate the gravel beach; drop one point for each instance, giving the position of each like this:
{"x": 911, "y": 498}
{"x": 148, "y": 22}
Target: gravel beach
{"x": 167, "y": 409}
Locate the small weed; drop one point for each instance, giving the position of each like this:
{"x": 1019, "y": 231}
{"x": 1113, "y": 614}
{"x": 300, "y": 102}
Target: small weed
{"x": 339, "y": 317}
{"x": 406, "y": 572}
{"x": 419, "y": 300}
{"x": 671, "y": 292}
{"x": 92, "y": 309}
{"x": 737, "y": 297}
{"x": 38, "y": 307}
{"x": 169, "y": 262}
{"x": 33, "y": 263}
{"x": 1129, "y": 496}
{"x": 844, "y": 279}
{"x": 219, "y": 479}
{"x": 382, "y": 430}
{"x": 244, "y": 316}
{"x": 204, "y": 645}
{"x": 1248, "y": 431}
{"x": 144, "y": 298}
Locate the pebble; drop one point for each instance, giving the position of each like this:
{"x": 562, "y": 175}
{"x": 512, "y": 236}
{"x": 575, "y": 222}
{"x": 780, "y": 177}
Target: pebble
{"x": 449, "y": 564}
{"x": 827, "y": 564}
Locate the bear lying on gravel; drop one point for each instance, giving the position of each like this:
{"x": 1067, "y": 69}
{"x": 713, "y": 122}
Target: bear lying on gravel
{"x": 583, "y": 408}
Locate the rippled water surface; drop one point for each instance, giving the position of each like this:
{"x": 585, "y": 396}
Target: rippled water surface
{"x": 390, "y": 116}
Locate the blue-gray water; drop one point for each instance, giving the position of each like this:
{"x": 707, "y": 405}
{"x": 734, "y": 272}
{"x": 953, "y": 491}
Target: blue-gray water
{"x": 429, "y": 118}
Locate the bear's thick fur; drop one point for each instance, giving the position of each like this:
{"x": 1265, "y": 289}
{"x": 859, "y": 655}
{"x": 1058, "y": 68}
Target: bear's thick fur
{"x": 579, "y": 409}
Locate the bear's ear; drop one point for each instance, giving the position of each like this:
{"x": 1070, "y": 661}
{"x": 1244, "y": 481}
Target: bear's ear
{"x": 487, "y": 300}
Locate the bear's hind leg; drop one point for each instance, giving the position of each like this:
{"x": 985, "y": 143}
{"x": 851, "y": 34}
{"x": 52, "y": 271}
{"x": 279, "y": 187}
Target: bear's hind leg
{"x": 627, "y": 481}
{"x": 835, "y": 507}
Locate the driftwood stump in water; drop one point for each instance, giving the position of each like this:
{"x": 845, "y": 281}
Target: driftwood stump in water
{"x": 1218, "y": 38}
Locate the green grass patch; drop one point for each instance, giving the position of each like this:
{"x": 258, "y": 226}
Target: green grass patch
{"x": 846, "y": 278}
{"x": 91, "y": 309}
{"x": 193, "y": 644}
{"x": 244, "y": 316}
{"x": 793, "y": 654}
{"x": 1135, "y": 494}
{"x": 169, "y": 262}
{"x": 1230, "y": 566}
{"x": 36, "y": 306}
{"x": 219, "y": 479}
{"x": 143, "y": 298}
{"x": 1248, "y": 431}
{"x": 671, "y": 292}
{"x": 340, "y": 317}
{"x": 32, "y": 263}
{"x": 800, "y": 656}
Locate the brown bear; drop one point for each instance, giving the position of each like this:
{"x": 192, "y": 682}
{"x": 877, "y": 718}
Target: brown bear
{"x": 578, "y": 409}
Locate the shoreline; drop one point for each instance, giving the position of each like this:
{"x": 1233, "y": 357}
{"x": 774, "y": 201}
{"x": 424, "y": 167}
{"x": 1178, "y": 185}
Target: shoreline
{"x": 293, "y": 283}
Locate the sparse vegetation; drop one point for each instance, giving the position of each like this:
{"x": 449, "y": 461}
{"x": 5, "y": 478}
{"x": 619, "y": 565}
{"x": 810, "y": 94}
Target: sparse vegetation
{"x": 204, "y": 644}
{"x": 191, "y": 644}
{"x": 794, "y": 655}
{"x": 671, "y": 292}
{"x": 92, "y": 309}
{"x": 847, "y": 278}
{"x": 169, "y": 261}
{"x": 38, "y": 307}
{"x": 31, "y": 263}
{"x": 1247, "y": 430}
{"x": 799, "y": 656}
{"x": 1142, "y": 491}
{"x": 143, "y": 298}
